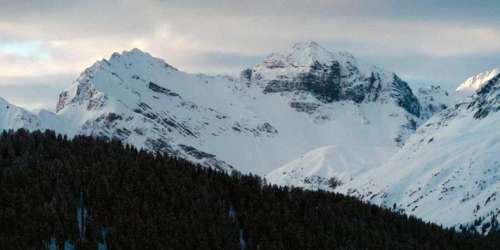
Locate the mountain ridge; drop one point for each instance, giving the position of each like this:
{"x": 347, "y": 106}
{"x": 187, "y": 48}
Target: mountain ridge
{"x": 475, "y": 82}
{"x": 447, "y": 171}
{"x": 127, "y": 95}
{"x": 291, "y": 103}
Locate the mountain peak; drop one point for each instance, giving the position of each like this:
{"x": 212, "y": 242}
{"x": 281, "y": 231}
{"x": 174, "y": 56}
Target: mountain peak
{"x": 308, "y": 53}
{"x": 486, "y": 98}
{"x": 476, "y": 82}
{"x": 120, "y": 74}
{"x": 133, "y": 54}
{"x": 330, "y": 76}
{"x": 305, "y": 55}
{"x": 307, "y": 44}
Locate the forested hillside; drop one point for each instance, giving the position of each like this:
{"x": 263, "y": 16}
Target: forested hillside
{"x": 89, "y": 192}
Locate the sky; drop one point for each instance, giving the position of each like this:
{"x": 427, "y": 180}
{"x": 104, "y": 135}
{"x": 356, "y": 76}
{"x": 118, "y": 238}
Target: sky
{"x": 45, "y": 44}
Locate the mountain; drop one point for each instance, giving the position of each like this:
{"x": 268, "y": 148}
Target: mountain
{"x": 289, "y": 104}
{"x": 331, "y": 77}
{"x": 344, "y": 163}
{"x": 143, "y": 101}
{"x": 474, "y": 83}
{"x": 448, "y": 171}
{"x": 14, "y": 117}
{"x": 435, "y": 99}
{"x": 327, "y": 167}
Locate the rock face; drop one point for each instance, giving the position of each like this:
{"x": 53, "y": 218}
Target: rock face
{"x": 488, "y": 98}
{"x": 331, "y": 77}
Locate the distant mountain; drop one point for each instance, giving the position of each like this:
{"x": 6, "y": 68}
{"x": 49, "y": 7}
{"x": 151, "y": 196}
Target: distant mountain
{"x": 435, "y": 99}
{"x": 474, "y": 83}
{"x": 14, "y": 117}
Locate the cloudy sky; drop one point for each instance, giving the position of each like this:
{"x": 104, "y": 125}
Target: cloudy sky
{"x": 45, "y": 44}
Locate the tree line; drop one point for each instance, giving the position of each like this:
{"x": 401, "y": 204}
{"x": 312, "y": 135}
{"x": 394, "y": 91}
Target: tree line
{"x": 90, "y": 191}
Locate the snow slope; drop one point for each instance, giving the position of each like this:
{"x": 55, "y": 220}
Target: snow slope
{"x": 345, "y": 162}
{"x": 14, "y": 117}
{"x": 314, "y": 169}
{"x": 448, "y": 171}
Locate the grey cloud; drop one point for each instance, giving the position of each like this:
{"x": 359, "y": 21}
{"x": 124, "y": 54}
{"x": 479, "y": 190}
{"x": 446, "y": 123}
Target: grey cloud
{"x": 222, "y": 62}
{"x": 460, "y": 11}
{"x": 440, "y": 41}
{"x": 34, "y": 92}
{"x": 448, "y": 72}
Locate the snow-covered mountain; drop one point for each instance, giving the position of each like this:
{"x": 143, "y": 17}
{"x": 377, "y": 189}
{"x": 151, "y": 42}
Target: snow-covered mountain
{"x": 289, "y": 104}
{"x": 315, "y": 169}
{"x": 474, "y": 83}
{"x": 303, "y": 116}
{"x": 331, "y": 77}
{"x": 329, "y": 166}
{"x": 14, "y": 117}
{"x": 448, "y": 171}
{"x": 435, "y": 99}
